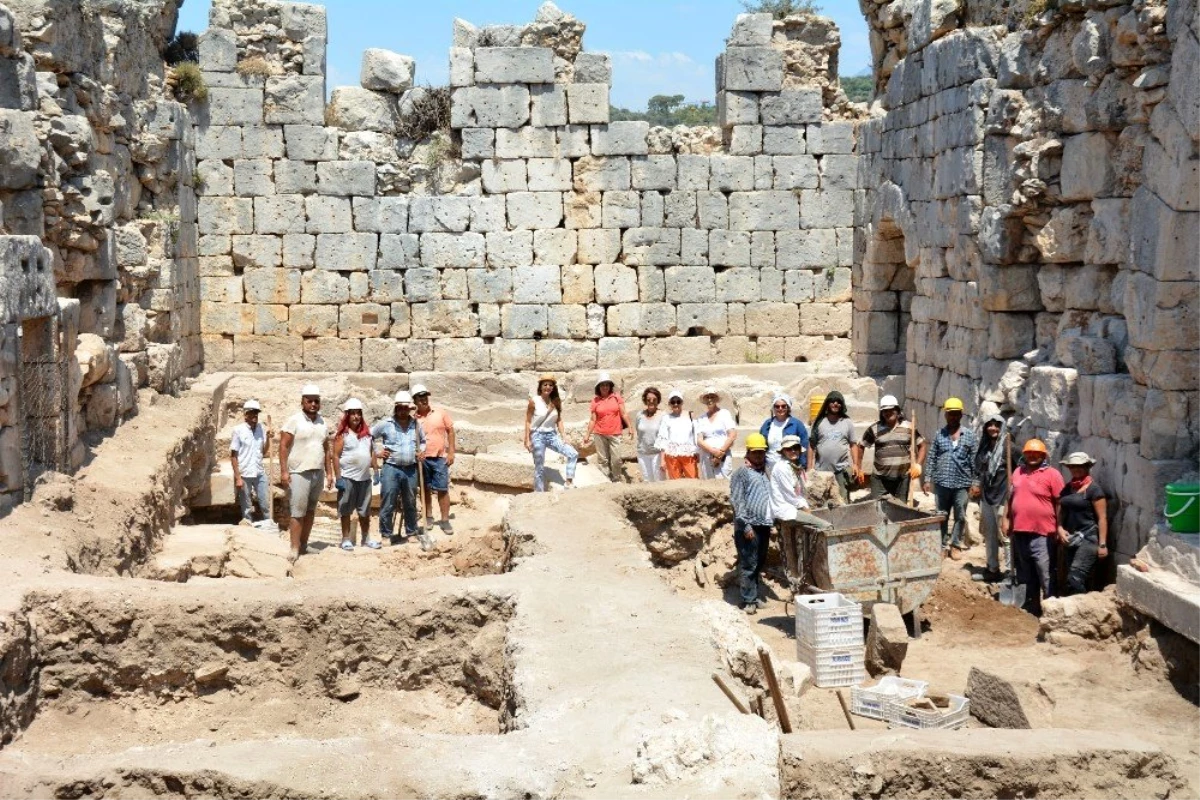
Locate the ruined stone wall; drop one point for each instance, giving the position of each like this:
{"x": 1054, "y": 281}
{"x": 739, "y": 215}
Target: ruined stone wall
{"x": 95, "y": 160}
{"x": 537, "y": 234}
{"x": 1031, "y": 222}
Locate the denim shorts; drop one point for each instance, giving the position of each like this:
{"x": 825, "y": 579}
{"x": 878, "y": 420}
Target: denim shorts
{"x": 437, "y": 474}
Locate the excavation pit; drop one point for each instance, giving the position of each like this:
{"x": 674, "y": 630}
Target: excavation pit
{"x": 136, "y": 667}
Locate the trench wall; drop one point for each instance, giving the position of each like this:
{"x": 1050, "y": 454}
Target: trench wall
{"x": 538, "y": 234}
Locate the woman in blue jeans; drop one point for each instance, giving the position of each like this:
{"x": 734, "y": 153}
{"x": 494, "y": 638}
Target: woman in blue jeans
{"x": 1082, "y": 522}
{"x": 544, "y": 431}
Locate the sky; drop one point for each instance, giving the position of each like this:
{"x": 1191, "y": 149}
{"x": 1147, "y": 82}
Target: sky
{"x": 657, "y": 46}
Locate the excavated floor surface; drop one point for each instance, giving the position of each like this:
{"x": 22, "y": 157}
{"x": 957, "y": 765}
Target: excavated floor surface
{"x": 557, "y": 646}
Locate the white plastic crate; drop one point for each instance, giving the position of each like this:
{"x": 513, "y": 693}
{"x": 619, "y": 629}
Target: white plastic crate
{"x": 898, "y": 715}
{"x": 834, "y": 666}
{"x": 828, "y": 620}
{"x": 870, "y": 701}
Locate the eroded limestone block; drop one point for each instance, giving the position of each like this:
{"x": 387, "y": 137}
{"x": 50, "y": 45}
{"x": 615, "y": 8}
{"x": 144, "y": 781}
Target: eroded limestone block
{"x": 1000, "y": 703}
{"x": 385, "y": 71}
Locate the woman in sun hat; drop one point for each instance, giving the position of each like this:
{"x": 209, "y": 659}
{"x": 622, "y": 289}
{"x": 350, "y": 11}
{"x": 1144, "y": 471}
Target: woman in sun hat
{"x": 716, "y": 431}
{"x": 607, "y": 422}
{"x": 676, "y": 440}
{"x": 544, "y": 431}
{"x": 1082, "y": 522}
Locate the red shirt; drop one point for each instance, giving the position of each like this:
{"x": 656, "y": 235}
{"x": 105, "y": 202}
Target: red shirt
{"x": 608, "y": 415}
{"x": 1033, "y": 496}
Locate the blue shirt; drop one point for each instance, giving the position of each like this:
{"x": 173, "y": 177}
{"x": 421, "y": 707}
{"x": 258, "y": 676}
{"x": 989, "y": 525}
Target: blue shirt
{"x": 948, "y": 466}
{"x": 750, "y": 496}
{"x": 404, "y": 443}
{"x": 793, "y": 427}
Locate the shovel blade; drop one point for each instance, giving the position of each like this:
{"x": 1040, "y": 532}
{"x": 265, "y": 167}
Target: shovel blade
{"x": 1012, "y": 594}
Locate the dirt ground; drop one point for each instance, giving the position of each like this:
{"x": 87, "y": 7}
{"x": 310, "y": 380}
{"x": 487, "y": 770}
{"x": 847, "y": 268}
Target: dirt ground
{"x": 1093, "y": 686}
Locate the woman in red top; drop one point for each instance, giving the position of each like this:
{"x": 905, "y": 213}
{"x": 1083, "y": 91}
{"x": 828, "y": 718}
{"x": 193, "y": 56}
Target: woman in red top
{"x": 608, "y": 420}
{"x": 1032, "y": 520}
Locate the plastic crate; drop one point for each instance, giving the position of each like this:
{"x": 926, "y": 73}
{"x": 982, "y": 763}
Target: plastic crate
{"x": 828, "y": 620}
{"x": 898, "y": 715}
{"x": 870, "y": 701}
{"x": 834, "y": 666}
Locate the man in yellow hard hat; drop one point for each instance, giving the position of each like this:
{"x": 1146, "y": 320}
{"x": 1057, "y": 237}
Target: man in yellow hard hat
{"x": 949, "y": 471}
{"x": 750, "y": 496}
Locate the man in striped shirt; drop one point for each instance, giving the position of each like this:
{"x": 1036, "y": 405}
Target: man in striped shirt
{"x": 750, "y": 496}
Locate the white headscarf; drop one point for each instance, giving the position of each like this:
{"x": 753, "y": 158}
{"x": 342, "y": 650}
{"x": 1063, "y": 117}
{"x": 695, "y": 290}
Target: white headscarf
{"x": 781, "y": 396}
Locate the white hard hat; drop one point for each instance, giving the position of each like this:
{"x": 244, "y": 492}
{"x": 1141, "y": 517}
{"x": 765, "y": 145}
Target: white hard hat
{"x": 251, "y": 405}
{"x": 418, "y": 388}
{"x": 888, "y": 401}
{"x": 402, "y": 398}
{"x": 310, "y": 390}
{"x": 353, "y": 404}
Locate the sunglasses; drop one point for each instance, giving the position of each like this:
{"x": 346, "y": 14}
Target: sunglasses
{"x": 780, "y": 408}
{"x": 676, "y": 402}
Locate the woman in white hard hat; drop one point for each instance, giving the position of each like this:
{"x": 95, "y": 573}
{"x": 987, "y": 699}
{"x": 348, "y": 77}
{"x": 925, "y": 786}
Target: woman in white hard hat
{"x": 1082, "y": 522}
{"x": 895, "y": 463}
{"x": 350, "y": 471}
{"x": 676, "y": 440}
{"x": 607, "y": 422}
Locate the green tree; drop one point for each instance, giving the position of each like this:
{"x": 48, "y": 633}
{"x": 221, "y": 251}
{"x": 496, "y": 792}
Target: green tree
{"x": 781, "y": 8}
{"x": 858, "y": 89}
{"x": 661, "y": 108}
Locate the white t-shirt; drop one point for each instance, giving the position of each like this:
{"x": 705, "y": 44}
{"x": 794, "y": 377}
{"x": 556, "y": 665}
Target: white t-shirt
{"x": 714, "y": 430}
{"x": 787, "y": 491}
{"x": 676, "y": 436}
{"x": 545, "y": 415}
{"x": 248, "y": 445}
{"x": 355, "y": 462}
{"x": 308, "y": 444}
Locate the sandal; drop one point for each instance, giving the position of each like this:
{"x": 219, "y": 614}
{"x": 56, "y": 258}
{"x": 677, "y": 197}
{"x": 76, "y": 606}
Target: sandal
{"x": 371, "y": 544}
{"x": 347, "y": 545}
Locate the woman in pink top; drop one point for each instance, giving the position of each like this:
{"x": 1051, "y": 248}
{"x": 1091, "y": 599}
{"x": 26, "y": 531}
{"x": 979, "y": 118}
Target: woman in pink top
{"x": 1032, "y": 521}
{"x": 608, "y": 420}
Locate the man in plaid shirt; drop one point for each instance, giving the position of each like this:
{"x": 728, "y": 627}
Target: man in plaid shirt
{"x": 750, "y": 496}
{"x": 949, "y": 467}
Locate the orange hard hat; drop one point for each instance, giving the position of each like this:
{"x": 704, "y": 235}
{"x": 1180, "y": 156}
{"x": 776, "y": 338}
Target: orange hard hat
{"x": 1035, "y": 446}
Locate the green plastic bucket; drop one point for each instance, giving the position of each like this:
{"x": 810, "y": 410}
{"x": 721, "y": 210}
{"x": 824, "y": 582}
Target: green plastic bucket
{"x": 1183, "y": 507}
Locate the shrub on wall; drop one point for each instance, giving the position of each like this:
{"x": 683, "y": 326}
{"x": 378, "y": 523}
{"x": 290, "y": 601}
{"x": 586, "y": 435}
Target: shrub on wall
{"x": 189, "y": 82}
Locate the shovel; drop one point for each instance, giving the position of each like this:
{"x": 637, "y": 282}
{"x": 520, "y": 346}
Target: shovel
{"x": 1011, "y": 592}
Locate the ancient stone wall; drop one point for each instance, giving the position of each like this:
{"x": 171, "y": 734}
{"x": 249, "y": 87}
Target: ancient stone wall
{"x": 95, "y": 161}
{"x": 1031, "y": 222}
{"x": 538, "y": 234}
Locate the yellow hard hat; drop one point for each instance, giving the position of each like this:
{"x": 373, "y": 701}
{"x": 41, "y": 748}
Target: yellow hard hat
{"x": 952, "y": 404}
{"x": 756, "y": 441}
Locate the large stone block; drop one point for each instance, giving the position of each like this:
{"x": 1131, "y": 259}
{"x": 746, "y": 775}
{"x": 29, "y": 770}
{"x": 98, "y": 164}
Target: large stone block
{"x": 1053, "y": 397}
{"x": 399, "y": 251}
{"x": 331, "y": 354}
{"x": 601, "y": 174}
{"x": 311, "y": 142}
{"x": 772, "y": 319}
{"x": 509, "y": 248}
{"x": 279, "y": 214}
{"x": 461, "y": 355}
{"x": 256, "y": 251}
{"x": 534, "y": 209}
{"x": 262, "y": 142}
{"x": 489, "y": 285}
{"x": 363, "y": 320}
{"x": 587, "y": 103}
{"x": 792, "y": 106}
{"x": 383, "y": 70}
{"x": 500, "y": 177}
{"x": 347, "y": 252}
{"x": 381, "y": 214}
{"x": 620, "y": 139}
{"x": 731, "y": 173}
{"x": 453, "y": 250}
{"x": 616, "y": 283}
{"x": 478, "y": 143}
{"x": 806, "y": 249}
{"x": 764, "y": 211}
{"x": 320, "y": 287}
{"x": 439, "y": 214}
{"x": 690, "y": 284}
{"x": 537, "y": 284}
{"x": 1087, "y": 167}
{"x": 216, "y": 142}
{"x": 593, "y": 68}
{"x": 310, "y": 320}
{"x": 328, "y": 214}
{"x": 737, "y": 108}
{"x": 524, "y": 321}
{"x": 295, "y": 100}
{"x": 295, "y": 177}
{"x": 227, "y": 319}
{"x": 729, "y": 248}
{"x": 1165, "y": 243}
{"x": 830, "y": 137}
{"x": 253, "y": 178}
{"x": 751, "y": 69}
{"x": 703, "y": 319}
{"x": 490, "y": 107}
{"x": 565, "y": 356}
{"x": 825, "y": 319}
{"x": 826, "y": 209}
{"x": 226, "y": 215}
{"x": 391, "y": 355}
{"x": 549, "y": 174}
{"x": 677, "y": 351}
{"x": 525, "y": 142}
{"x": 554, "y": 246}
{"x": 281, "y": 286}
{"x": 784, "y": 140}
{"x": 235, "y": 106}
{"x": 438, "y": 318}
{"x": 514, "y": 65}
{"x": 346, "y": 178}
{"x": 549, "y": 105}
{"x": 218, "y": 50}
{"x": 651, "y": 246}
{"x": 598, "y": 246}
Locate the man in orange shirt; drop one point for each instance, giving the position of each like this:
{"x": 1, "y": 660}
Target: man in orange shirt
{"x": 439, "y": 455}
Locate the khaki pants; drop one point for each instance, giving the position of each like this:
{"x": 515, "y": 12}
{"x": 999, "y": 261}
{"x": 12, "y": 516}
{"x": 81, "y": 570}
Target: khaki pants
{"x": 608, "y": 456}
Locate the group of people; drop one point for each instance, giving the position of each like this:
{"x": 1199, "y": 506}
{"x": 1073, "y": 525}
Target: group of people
{"x": 409, "y": 452}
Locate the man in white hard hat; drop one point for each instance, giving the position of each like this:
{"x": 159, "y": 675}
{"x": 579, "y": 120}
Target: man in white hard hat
{"x": 403, "y": 449}
{"x": 303, "y": 452}
{"x": 895, "y": 465}
{"x": 250, "y": 444}
{"x": 438, "y": 428}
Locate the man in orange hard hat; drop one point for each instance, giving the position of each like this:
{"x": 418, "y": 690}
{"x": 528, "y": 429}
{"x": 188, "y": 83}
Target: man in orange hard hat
{"x": 1032, "y": 521}
{"x": 949, "y": 470}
